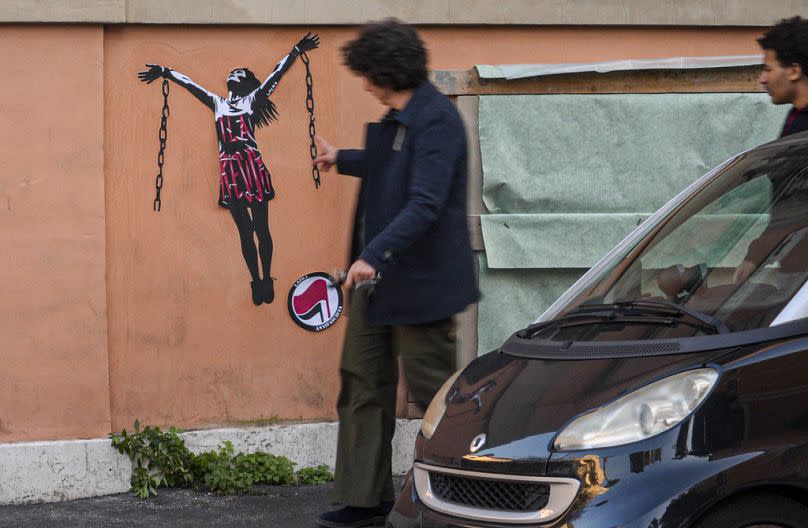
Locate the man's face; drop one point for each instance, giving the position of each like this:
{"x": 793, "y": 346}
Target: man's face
{"x": 779, "y": 81}
{"x": 381, "y": 94}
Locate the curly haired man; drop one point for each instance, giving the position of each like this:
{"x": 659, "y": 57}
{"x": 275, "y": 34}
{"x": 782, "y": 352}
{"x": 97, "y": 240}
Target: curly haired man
{"x": 410, "y": 233}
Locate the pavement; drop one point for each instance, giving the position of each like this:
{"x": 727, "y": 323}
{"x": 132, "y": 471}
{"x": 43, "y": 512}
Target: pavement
{"x": 267, "y": 506}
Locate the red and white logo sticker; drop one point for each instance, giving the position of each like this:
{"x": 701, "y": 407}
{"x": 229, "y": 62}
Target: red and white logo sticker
{"x": 315, "y": 301}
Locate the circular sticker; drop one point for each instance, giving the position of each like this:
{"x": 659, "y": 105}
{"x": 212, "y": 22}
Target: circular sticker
{"x": 315, "y": 302}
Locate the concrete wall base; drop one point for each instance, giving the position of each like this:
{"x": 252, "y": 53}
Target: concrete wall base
{"x": 73, "y": 469}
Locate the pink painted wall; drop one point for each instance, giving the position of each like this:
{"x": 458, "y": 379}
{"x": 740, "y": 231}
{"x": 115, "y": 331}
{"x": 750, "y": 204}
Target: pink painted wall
{"x": 53, "y": 314}
{"x": 112, "y": 312}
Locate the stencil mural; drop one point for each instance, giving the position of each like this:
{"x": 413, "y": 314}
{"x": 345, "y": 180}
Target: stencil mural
{"x": 245, "y": 183}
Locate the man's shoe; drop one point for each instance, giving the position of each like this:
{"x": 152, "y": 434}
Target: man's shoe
{"x": 353, "y": 517}
{"x": 256, "y": 292}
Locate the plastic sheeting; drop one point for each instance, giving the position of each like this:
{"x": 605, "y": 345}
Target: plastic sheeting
{"x": 514, "y": 241}
{"x": 519, "y": 71}
{"x": 509, "y": 298}
{"x": 566, "y": 177}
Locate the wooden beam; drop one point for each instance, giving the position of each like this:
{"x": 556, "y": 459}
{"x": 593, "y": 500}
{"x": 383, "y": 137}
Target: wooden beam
{"x": 467, "y": 321}
{"x": 476, "y": 232}
{"x": 735, "y": 79}
{"x": 469, "y": 108}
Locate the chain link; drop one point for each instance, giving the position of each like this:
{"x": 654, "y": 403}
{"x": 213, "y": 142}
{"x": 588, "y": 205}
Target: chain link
{"x": 315, "y": 172}
{"x": 163, "y": 135}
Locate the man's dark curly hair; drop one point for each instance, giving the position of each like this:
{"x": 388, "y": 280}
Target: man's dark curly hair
{"x": 789, "y": 40}
{"x": 389, "y": 54}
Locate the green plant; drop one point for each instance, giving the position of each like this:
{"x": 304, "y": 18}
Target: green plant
{"x": 225, "y": 472}
{"x": 266, "y": 468}
{"x": 221, "y": 472}
{"x": 159, "y": 459}
{"x": 315, "y": 475}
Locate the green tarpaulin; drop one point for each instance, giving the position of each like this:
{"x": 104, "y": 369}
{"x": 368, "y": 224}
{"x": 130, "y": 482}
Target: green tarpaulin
{"x": 566, "y": 177}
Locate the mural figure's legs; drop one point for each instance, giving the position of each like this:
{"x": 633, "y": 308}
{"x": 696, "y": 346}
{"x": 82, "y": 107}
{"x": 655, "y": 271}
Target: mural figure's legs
{"x": 244, "y": 223}
{"x": 263, "y": 290}
{"x": 260, "y": 220}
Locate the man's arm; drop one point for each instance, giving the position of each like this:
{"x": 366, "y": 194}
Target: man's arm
{"x": 351, "y": 162}
{"x": 348, "y": 161}
{"x": 437, "y": 148}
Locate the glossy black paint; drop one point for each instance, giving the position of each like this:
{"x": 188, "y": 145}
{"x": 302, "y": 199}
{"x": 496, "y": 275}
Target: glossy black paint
{"x": 750, "y": 434}
{"x": 580, "y": 348}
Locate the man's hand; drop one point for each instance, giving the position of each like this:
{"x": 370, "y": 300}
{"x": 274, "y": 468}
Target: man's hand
{"x": 154, "y": 72}
{"x": 743, "y": 271}
{"x": 327, "y": 156}
{"x": 360, "y": 271}
{"x": 308, "y": 42}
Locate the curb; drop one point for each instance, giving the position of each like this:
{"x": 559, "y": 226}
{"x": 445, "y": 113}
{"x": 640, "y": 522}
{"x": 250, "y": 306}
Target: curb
{"x": 74, "y": 469}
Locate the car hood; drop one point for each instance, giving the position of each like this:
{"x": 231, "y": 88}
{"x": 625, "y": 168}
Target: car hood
{"x": 520, "y": 404}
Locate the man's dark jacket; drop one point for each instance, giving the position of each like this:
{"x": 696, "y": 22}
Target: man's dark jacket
{"x": 410, "y": 222}
{"x": 796, "y": 121}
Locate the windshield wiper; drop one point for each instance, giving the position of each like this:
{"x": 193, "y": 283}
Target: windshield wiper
{"x": 658, "y": 307}
{"x": 629, "y": 311}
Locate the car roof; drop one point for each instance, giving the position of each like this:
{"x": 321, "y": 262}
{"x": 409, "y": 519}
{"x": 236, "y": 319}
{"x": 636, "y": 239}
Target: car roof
{"x": 800, "y": 139}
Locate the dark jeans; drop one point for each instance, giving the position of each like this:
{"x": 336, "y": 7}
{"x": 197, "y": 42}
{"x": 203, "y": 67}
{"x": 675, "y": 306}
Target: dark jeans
{"x": 367, "y": 399}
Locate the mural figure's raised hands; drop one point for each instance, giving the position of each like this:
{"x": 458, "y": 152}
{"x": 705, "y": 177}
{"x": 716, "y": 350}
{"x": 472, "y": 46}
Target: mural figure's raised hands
{"x": 308, "y": 42}
{"x": 154, "y": 72}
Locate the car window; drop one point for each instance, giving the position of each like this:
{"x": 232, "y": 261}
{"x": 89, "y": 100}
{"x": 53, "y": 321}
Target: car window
{"x": 736, "y": 250}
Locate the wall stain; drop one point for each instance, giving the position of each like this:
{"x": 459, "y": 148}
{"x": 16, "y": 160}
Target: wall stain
{"x": 310, "y": 390}
{"x": 173, "y": 337}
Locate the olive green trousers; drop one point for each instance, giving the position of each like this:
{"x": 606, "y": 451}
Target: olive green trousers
{"x": 367, "y": 398}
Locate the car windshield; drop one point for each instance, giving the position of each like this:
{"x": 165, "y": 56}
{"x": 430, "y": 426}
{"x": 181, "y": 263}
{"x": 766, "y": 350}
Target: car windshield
{"x": 734, "y": 252}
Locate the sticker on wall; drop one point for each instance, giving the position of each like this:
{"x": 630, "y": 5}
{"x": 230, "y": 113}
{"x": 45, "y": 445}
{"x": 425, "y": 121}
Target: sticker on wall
{"x": 245, "y": 183}
{"x": 315, "y": 301}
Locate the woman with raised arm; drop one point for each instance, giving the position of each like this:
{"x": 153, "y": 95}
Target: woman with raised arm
{"x": 245, "y": 183}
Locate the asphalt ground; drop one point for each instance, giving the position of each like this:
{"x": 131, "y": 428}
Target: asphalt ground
{"x": 267, "y": 506}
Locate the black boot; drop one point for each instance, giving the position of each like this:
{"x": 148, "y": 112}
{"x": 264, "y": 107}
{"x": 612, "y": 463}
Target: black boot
{"x": 352, "y": 517}
{"x": 268, "y": 289}
{"x": 256, "y": 293}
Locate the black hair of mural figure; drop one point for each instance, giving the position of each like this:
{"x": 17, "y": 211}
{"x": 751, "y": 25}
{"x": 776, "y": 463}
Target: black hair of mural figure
{"x": 245, "y": 185}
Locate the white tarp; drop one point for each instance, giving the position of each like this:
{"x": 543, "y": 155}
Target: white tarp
{"x": 567, "y": 176}
{"x": 519, "y": 71}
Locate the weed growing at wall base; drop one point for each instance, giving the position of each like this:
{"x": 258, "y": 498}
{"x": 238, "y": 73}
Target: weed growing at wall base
{"x": 161, "y": 459}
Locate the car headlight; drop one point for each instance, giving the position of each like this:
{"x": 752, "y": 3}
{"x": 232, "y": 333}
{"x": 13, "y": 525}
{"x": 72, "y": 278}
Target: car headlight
{"x": 641, "y": 414}
{"x": 437, "y": 408}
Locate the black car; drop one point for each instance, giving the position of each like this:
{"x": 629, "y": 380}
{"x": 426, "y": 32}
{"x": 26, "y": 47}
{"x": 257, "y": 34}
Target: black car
{"x": 668, "y": 388}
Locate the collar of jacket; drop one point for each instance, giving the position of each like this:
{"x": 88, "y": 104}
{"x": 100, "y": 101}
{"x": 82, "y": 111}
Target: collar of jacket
{"x": 420, "y": 96}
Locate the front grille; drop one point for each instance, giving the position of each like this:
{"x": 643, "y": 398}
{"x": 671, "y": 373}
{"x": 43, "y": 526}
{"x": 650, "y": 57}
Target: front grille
{"x": 490, "y": 494}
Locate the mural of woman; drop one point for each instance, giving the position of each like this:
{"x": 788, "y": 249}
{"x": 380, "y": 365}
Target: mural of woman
{"x": 245, "y": 182}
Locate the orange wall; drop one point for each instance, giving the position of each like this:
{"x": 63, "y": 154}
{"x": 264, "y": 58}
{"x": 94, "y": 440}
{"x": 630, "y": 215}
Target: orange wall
{"x": 53, "y": 324}
{"x": 185, "y": 345}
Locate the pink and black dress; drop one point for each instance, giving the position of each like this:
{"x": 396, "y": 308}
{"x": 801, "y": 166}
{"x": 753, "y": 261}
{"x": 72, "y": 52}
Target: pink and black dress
{"x": 244, "y": 177}
{"x": 243, "y": 174}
